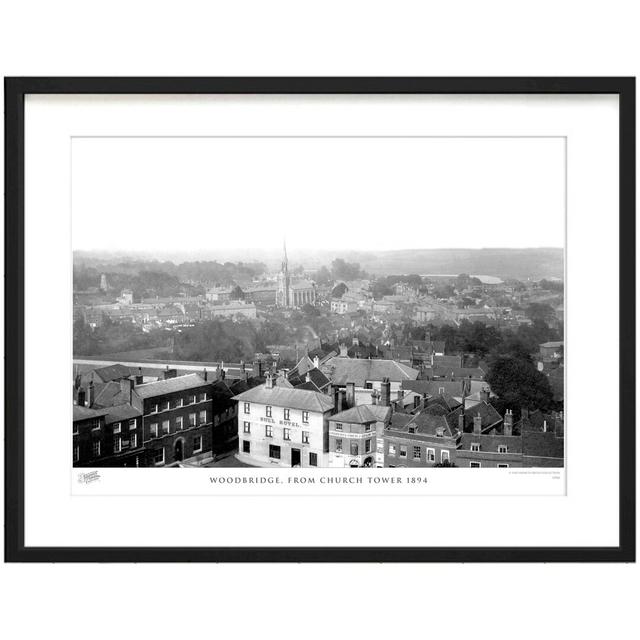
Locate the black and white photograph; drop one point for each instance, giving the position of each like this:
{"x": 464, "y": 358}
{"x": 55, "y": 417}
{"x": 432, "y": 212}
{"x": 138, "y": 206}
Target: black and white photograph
{"x": 319, "y": 302}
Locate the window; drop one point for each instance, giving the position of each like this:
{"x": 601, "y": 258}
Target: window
{"x": 192, "y": 419}
{"x": 305, "y": 437}
{"x": 75, "y": 429}
{"x": 76, "y": 453}
{"x": 286, "y": 414}
{"x": 286, "y": 434}
{"x": 503, "y": 466}
{"x": 392, "y": 449}
{"x": 180, "y": 402}
{"x": 116, "y": 427}
{"x": 154, "y": 408}
{"x": 368, "y": 385}
{"x": 165, "y": 427}
{"x": 431, "y": 455}
{"x": 367, "y": 427}
{"x": 417, "y": 453}
{"x": 338, "y": 426}
{"x": 117, "y": 444}
{"x": 412, "y": 429}
{"x": 367, "y": 446}
{"x": 502, "y": 448}
{"x": 133, "y": 440}
{"x": 441, "y": 390}
{"x": 246, "y": 446}
{"x": 180, "y": 422}
{"x": 96, "y": 448}
{"x": 313, "y": 459}
{"x": 247, "y": 407}
{"x": 474, "y": 465}
{"x": 403, "y": 451}
{"x": 339, "y": 445}
{"x": 166, "y": 406}
{"x": 197, "y": 444}
{"x": 439, "y": 432}
{"x": 95, "y": 425}
{"x": 274, "y": 451}
{"x": 246, "y": 427}
{"x": 444, "y": 455}
{"x": 202, "y": 396}
{"x": 475, "y": 446}
{"x": 193, "y": 399}
{"x": 354, "y": 448}
{"x": 158, "y": 456}
{"x": 153, "y": 430}
{"x": 268, "y": 410}
{"x": 203, "y": 416}
{"x": 268, "y": 431}
{"x": 305, "y": 416}
{"x": 132, "y": 424}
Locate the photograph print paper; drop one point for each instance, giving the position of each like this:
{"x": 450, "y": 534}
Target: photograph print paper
{"x": 318, "y": 302}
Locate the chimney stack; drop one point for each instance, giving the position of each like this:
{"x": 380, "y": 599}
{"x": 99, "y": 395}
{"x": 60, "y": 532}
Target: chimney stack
{"x": 316, "y": 362}
{"x": 139, "y": 376}
{"x": 257, "y": 369}
{"x": 351, "y": 394}
{"x": 477, "y": 424}
{"x": 270, "y": 380}
{"x": 81, "y": 397}
{"x": 461, "y": 422}
{"x": 508, "y": 423}
{"x": 343, "y": 351}
{"x": 170, "y": 373}
{"x": 307, "y": 378}
{"x": 91, "y": 396}
{"x": 484, "y": 395}
{"x": 385, "y": 393}
{"x": 126, "y": 388}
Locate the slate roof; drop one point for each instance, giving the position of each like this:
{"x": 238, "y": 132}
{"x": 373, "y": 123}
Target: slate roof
{"x": 490, "y": 417}
{"x": 173, "y": 385}
{"x": 489, "y": 442}
{"x": 447, "y": 361}
{"x": 288, "y": 398}
{"x": 432, "y": 387}
{"x": 543, "y": 445}
{"x": 121, "y": 412}
{"x": 85, "y": 413}
{"x": 363, "y": 413}
{"x": 424, "y": 423}
{"x": 109, "y": 395}
{"x": 342, "y": 370}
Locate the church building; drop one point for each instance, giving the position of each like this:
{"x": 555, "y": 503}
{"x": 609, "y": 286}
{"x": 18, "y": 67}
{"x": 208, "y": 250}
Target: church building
{"x": 293, "y": 294}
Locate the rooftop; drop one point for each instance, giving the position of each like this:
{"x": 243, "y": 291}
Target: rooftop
{"x": 288, "y": 398}
{"x": 173, "y": 385}
{"x": 342, "y": 370}
{"x": 363, "y": 413}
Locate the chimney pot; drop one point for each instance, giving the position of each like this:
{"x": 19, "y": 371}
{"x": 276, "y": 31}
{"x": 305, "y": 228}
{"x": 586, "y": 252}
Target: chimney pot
{"x": 477, "y": 424}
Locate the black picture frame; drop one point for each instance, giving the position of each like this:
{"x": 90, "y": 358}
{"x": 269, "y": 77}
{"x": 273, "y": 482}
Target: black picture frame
{"x": 15, "y": 91}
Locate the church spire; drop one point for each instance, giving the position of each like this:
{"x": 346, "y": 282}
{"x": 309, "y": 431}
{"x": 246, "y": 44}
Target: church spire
{"x": 285, "y": 260}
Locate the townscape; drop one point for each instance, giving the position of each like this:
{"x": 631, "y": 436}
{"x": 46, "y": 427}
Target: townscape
{"x": 235, "y": 364}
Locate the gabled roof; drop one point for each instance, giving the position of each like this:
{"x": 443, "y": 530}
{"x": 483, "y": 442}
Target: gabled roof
{"x": 342, "y": 370}
{"x": 109, "y": 395}
{"x": 288, "y": 398}
{"x": 490, "y": 417}
{"x": 363, "y": 414}
{"x": 173, "y": 385}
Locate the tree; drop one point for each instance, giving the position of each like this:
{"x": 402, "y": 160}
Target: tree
{"x": 518, "y": 383}
{"x": 236, "y": 293}
{"x": 540, "y": 311}
{"x": 343, "y": 270}
{"x": 323, "y": 275}
{"x": 339, "y": 290}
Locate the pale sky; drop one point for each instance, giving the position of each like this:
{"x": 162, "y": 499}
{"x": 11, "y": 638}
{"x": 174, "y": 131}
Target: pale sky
{"x": 180, "y": 194}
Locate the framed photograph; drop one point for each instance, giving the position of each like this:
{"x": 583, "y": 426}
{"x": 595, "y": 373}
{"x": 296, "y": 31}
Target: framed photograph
{"x": 320, "y": 319}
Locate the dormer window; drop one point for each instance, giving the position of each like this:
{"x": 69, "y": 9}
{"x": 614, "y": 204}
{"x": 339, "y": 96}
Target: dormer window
{"x": 412, "y": 429}
{"x": 502, "y": 448}
{"x": 475, "y": 446}
{"x": 440, "y": 432}
{"x": 268, "y": 410}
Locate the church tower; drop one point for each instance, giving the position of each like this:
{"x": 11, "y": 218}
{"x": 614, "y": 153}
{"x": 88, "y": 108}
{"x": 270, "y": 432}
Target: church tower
{"x": 284, "y": 282}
